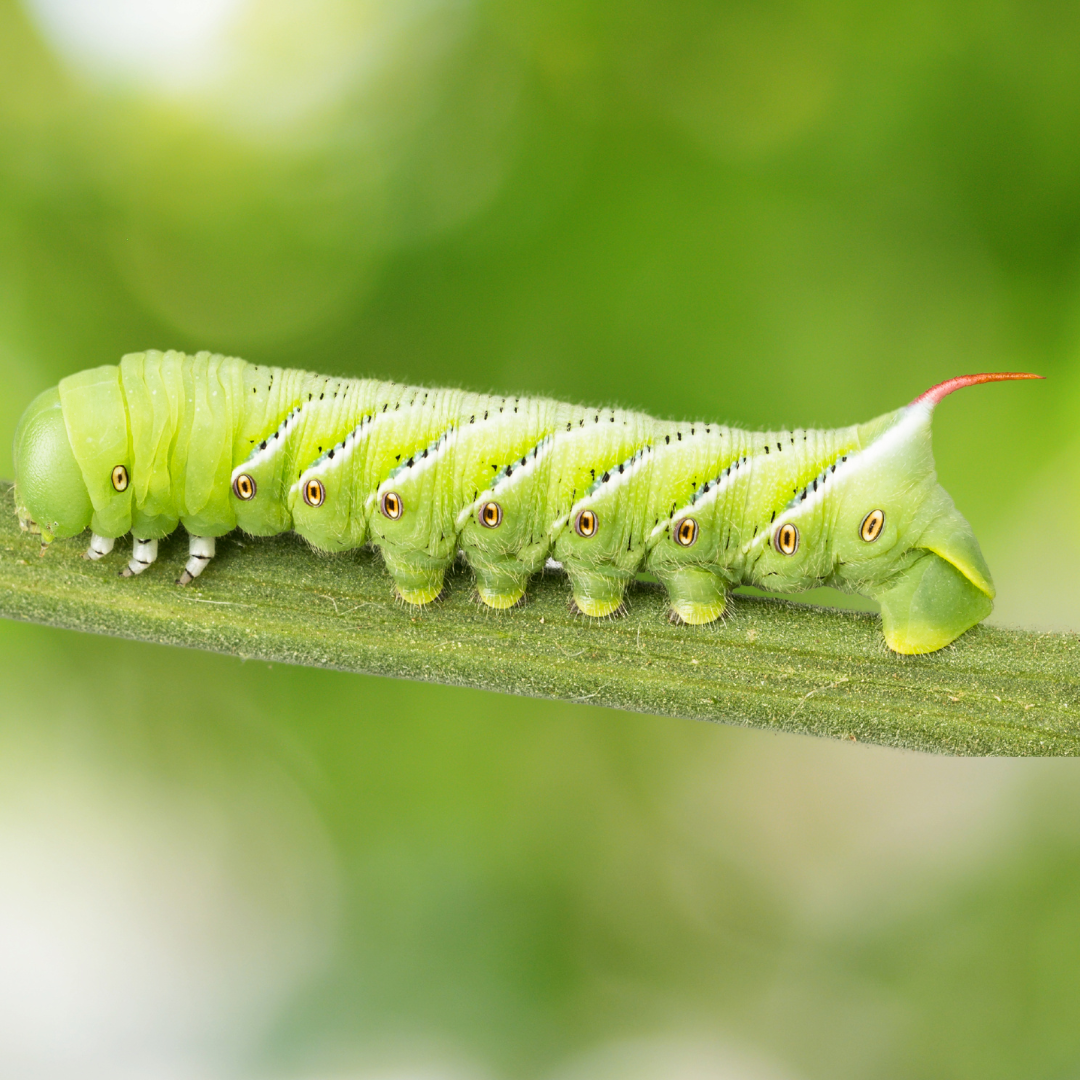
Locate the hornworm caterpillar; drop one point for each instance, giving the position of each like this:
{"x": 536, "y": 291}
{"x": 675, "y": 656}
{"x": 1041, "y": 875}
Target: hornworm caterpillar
{"x": 215, "y": 443}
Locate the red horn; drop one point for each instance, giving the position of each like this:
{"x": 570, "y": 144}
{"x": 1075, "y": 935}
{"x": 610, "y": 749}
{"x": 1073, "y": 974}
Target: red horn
{"x": 936, "y": 393}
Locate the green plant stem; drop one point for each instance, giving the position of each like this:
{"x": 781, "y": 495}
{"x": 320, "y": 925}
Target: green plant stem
{"x": 769, "y": 664}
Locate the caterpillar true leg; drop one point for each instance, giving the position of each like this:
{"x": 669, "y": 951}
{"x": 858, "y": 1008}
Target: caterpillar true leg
{"x": 201, "y": 550}
{"x": 100, "y": 546}
{"x": 143, "y": 553}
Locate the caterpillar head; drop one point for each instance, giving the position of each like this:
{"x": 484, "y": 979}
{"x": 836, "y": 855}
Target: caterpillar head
{"x": 50, "y": 493}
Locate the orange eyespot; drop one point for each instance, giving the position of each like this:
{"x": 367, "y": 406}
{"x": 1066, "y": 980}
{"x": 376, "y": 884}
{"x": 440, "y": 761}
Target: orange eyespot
{"x": 687, "y": 532}
{"x": 586, "y": 524}
{"x": 120, "y": 478}
{"x": 491, "y": 515}
{"x": 871, "y": 526}
{"x": 392, "y": 506}
{"x": 244, "y": 487}
{"x": 787, "y": 539}
{"x": 314, "y": 493}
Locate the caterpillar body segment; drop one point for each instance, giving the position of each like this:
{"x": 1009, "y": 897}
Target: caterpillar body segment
{"x": 214, "y": 443}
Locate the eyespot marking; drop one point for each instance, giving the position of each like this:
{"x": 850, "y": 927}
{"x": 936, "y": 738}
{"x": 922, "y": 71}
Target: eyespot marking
{"x": 586, "y": 524}
{"x": 872, "y": 525}
{"x": 687, "y": 532}
{"x": 491, "y": 515}
{"x": 120, "y": 478}
{"x": 391, "y": 505}
{"x": 787, "y": 539}
{"x": 244, "y": 487}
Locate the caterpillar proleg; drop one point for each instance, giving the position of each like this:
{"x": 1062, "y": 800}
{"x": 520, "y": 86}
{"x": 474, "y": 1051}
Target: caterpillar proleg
{"x": 215, "y": 444}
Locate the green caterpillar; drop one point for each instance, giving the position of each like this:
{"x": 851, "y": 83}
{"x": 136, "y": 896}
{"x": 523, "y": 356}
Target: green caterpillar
{"x": 216, "y": 444}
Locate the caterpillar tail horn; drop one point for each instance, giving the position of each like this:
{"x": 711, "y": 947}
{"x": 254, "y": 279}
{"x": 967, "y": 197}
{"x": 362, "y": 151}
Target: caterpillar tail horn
{"x": 932, "y": 396}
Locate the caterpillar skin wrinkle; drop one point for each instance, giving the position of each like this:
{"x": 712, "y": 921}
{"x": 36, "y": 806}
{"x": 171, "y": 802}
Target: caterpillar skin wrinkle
{"x": 215, "y": 444}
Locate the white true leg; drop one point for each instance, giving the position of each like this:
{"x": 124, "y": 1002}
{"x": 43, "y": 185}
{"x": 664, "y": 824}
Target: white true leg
{"x": 143, "y": 553}
{"x": 200, "y": 551}
{"x": 100, "y": 546}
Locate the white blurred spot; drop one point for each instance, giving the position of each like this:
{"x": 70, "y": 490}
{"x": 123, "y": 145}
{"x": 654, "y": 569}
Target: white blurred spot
{"x": 173, "y": 44}
{"x": 264, "y": 68}
{"x": 153, "y": 933}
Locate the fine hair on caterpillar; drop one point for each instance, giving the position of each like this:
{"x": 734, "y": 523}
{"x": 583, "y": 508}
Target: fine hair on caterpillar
{"x": 215, "y": 443}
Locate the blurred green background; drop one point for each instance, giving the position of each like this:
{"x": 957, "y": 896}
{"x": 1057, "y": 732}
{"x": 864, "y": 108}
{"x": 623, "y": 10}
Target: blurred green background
{"x": 763, "y": 213}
